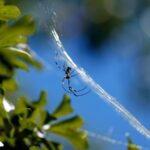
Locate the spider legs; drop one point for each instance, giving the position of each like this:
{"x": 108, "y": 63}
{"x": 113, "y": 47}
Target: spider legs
{"x": 63, "y": 85}
{"x": 64, "y": 67}
{"x": 61, "y": 67}
{"x": 71, "y": 90}
{"x": 75, "y": 92}
{"x": 68, "y": 74}
{"x": 58, "y": 62}
{"x": 72, "y": 74}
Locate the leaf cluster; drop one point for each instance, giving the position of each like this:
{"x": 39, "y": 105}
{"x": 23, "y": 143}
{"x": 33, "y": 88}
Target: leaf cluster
{"x": 14, "y": 52}
{"x": 27, "y": 125}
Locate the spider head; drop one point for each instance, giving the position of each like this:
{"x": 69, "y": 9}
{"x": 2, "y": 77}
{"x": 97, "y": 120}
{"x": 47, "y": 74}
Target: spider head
{"x": 68, "y": 70}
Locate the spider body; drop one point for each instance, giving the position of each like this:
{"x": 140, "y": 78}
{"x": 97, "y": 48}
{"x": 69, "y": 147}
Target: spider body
{"x": 67, "y": 77}
{"x": 68, "y": 74}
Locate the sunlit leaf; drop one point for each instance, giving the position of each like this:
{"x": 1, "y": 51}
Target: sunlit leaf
{"x": 18, "y": 53}
{"x": 42, "y": 116}
{"x": 9, "y": 84}
{"x": 42, "y": 100}
{"x": 73, "y": 123}
{"x": 64, "y": 108}
{"x": 21, "y": 106}
{"x": 8, "y": 106}
{"x": 1, "y": 2}
{"x": 12, "y": 35}
{"x": 19, "y": 64}
{"x": 69, "y": 129}
{"x": 34, "y": 148}
{"x": 8, "y": 12}
{"x": 131, "y": 145}
{"x": 77, "y": 138}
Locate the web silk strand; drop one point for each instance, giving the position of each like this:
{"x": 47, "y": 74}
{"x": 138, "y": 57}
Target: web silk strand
{"x": 96, "y": 88}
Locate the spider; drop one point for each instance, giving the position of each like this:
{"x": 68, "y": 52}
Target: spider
{"x": 67, "y": 77}
{"x": 68, "y": 71}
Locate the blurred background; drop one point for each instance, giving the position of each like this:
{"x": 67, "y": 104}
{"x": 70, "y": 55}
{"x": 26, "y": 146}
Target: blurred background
{"x": 111, "y": 41}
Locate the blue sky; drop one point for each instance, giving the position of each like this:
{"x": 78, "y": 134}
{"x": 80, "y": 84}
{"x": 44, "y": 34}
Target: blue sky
{"x": 110, "y": 69}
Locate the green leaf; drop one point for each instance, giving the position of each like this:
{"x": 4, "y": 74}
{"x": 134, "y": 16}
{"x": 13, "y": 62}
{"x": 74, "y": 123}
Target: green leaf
{"x": 52, "y": 145}
{"x": 69, "y": 129}
{"x": 77, "y": 138}
{"x": 15, "y": 55}
{"x": 131, "y": 145}
{"x": 34, "y": 148}
{"x": 64, "y": 108}
{"x": 21, "y": 106}
{"x": 12, "y": 35}
{"x": 11, "y": 63}
{"x": 9, "y": 84}
{"x": 36, "y": 115}
{"x": 42, "y": 100}
{"x": 25, "y": 25}
{"x": 19, "y": 64}
{"x": 5, "y": 68}
{"x": 42, "y": 119}
{"x": 48, "y": 118}
{"x": 3, "y": 78}
{"x": 57, "y": 145}
{"x": 73, "y": 123}
{"x": 1, "y": 2}
{"x": 18, "y": 53}
{"x": 8, "y": 12}
{"x": 3, "y": 113}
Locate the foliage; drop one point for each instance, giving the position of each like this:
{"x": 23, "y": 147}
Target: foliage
{"x": 131, "y": 145}
{"x": 14, "y": 52}
{"x": 27, "y": 125}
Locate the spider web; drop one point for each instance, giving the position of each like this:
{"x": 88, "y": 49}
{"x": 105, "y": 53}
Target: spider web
{"x": 96, "y": 88}
{"x": 91, "y": 84}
